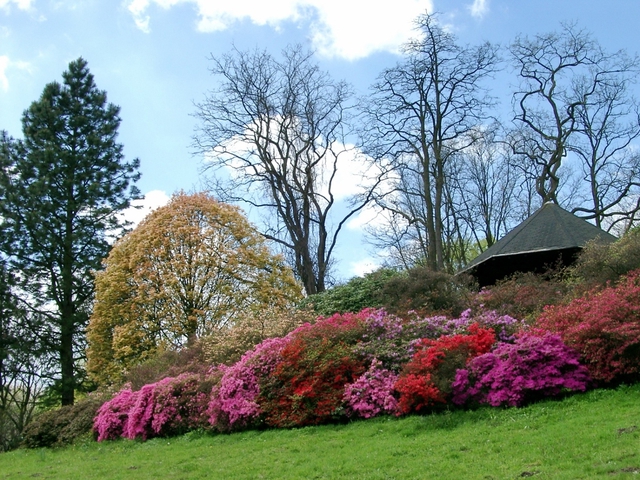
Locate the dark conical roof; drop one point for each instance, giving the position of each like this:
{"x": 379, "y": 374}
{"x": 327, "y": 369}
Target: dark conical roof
{"x": 551, "y": 229}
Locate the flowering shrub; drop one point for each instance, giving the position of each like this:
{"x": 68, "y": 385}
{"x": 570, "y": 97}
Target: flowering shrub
{"x": 169, "y": 407}
{"x": 513, "y": 374}
{"x": 234, "y": 400}
{"x": 504, "y": 326}
{"x": 112, "y": 416}
{"x": 604, "y": 327}
{"x": 307, "y": 385}
{"x": 372, "y": 393}
{"x": 426, "y": 380}
{"x": 388, "y": 338}
{"x": 141, "y": 413}
{"x": 181, "y": 404}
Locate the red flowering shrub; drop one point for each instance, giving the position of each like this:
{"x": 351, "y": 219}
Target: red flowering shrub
{"x": 426, "y": 380}
{"x": 307, "y": 385}
{"x": 514, "y": 374}
{"x": 604, "y": 327}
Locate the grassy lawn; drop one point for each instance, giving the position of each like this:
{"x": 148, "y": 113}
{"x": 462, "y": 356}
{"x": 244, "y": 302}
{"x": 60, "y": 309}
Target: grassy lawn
{"x": 592, "y": 435}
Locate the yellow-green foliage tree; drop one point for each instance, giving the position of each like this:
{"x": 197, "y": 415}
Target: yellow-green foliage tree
{"x": 185, "y": 272}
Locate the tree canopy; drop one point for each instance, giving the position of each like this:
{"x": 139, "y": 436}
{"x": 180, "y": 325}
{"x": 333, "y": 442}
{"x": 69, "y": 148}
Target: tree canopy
{"x": 63, "y": 188}
{"x": 186, "y": 271}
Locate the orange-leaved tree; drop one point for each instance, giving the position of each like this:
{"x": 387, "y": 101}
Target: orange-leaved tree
{"x": 184, "y": 272}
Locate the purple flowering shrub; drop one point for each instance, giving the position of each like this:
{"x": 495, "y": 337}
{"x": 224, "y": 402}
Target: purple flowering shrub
{"x": 233, "y": 402}
{"x": 392, "y": 339}
{"x": 504, "y": 326}
{"x": 514, "y": 374}
{"x": 111, "y": 418}
{"x": 372, "y": 393}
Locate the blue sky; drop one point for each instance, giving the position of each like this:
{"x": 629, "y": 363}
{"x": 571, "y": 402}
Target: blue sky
{"x": 151, "y": 56}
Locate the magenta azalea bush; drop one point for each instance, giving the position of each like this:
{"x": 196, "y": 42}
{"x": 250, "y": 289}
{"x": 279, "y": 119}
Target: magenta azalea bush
{"x": 171, "y": 406}
{"x": 514, "y": 374}
{"x": 141, "y": 414}
{"x": 233, "y": 402}
{"x": 112, "y": 416}
{"x": 372, "y": 393}
{"x": 181, "y": 404}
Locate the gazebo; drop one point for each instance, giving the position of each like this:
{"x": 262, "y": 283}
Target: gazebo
{"x": 549, "y": 237}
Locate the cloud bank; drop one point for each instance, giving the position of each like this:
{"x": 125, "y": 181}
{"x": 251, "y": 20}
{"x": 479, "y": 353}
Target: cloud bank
{"x": 350, "y": 30}
{"x": 21, "y": 4}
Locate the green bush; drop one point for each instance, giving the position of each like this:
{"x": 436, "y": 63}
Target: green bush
{"x": 426, "y": 292}
{"x": 398, "y": 292}
{"x": 353, "y": 296}
{"x": 64, "y": 425}
{"x": 600, "y": 263}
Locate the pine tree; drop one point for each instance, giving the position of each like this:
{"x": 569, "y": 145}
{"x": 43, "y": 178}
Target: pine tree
{"x": 64, "y": 186}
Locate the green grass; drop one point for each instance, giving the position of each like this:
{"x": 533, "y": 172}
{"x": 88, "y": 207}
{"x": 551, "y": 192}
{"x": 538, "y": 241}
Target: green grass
{"x": 592, "y": 435}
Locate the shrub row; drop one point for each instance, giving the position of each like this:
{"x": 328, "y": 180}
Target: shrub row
{"x": 331, "y": 371}
{"x": 359, "y": 365}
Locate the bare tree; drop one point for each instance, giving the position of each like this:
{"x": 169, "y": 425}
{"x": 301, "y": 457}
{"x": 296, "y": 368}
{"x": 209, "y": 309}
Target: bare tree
{"x": 421, "y": 114}
{"x": 607, "y": 124}
{"x": 278, "y": 126}
{"x": 487, "y": 190}
{"x": 572, "y": 98}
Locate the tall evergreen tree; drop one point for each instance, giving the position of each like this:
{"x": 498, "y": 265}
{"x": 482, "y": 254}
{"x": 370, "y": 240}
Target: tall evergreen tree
{"x": 64, "y": 186}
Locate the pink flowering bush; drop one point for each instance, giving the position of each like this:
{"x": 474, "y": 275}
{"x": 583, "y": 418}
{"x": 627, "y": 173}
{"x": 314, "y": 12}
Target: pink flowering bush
{"x": 372, "y": 393}
{"x": 112, "y": 416}
{"x": 171, "y": 406}
{"x": 514, "y": 374}
{"x": 141, "y": 413}
{"x": 604, "y": 327}
{"x": 181, "y": 404}
{"x": 233, "y": 402}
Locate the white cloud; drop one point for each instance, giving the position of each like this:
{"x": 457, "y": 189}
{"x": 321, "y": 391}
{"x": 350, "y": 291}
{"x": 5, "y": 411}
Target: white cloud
{"x": 364, "y": 266}
{"x": 137, "y": 9}
{"x": 21, "y": 4}
{"x": 479, "y": 8}
{"x": 5, "y": 65}
{"x": 348, "y": 29}
{"x": 355, "y": 28}
{"x": 152, "y": 200}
